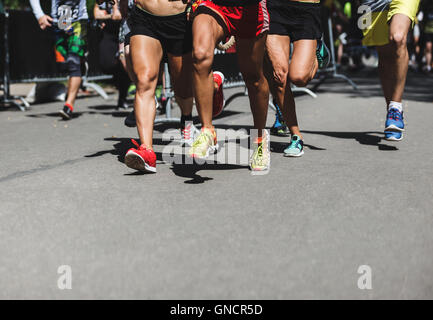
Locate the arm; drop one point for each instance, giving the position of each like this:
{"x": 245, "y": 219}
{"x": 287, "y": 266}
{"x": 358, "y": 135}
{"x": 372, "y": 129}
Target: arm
{"x": 43, "y": 19}
{"x": 100, "y": 14}
{"x": 116, "y": 15}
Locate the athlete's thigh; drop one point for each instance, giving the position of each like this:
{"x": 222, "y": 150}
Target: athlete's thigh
{"x": 181, "y": 74}
{"x": 250, "y": 55}
{"x": 206, "y": 32}
{"x": 303, "y": 57}
{"x": 278, "y": 52}
{"x": 146, "y": 54}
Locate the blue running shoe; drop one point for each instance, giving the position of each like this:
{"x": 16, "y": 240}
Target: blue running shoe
{"x": 295, "y": 148}
{"x": 394, "y": 120}
{"x": 279, "y": 128}
{"x": 393, "y": 135}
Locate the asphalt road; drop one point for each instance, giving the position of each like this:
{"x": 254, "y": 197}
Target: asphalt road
{"x": 215, "y": 231}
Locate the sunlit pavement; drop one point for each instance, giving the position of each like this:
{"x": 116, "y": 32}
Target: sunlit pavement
{"x": 215, "y": 231}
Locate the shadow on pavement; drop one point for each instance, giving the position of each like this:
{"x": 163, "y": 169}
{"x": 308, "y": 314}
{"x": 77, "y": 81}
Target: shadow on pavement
{"x": 278, "y": 147}
{"x": 117, "y": 113}
{"x": 190, "y": 170}
{"x": 367, "y": 138}
{"x": 75, "y": 115}
{"x": 122, "y": 145}
{"x": 418, "y": 86}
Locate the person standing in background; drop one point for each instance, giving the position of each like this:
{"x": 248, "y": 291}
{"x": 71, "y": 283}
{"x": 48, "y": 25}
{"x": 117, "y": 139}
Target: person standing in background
{"x": 110, "y": 17}
{"x": 427, "y": 9}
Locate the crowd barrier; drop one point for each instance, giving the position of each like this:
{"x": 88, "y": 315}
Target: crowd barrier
{"x": 331, "y": 71}
{"x": 27, "y": 56}
{"x": 31, "y": 60}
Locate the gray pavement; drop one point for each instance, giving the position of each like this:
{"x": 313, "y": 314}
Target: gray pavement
{"x": 215, "y": 231}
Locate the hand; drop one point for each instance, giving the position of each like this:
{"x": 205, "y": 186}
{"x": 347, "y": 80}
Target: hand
{"x": 45, "y": 21}
{"x": 116, "y": 15}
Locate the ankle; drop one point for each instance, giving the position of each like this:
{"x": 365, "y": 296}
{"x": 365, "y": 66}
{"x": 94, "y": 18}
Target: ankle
{"x": 70, "y": 106}
{"x": 185, "y": 118}
{"x": 395, "y": 105}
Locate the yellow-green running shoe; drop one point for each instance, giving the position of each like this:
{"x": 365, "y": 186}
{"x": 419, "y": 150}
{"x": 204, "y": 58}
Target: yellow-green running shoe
{"x": 204, "y": 145}
{"x": 261, "y": 158}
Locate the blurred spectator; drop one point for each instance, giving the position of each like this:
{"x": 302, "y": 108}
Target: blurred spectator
{"x": 109, "y": 20}
{"x": 427, "y": 9}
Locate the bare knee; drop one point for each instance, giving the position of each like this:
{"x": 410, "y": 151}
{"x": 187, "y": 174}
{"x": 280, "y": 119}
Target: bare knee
{"x": 145, "y": 82}
{"x": 202, "y": 57}
{"x": 252, "y": 81}
{"x": 300, "y": 78}
{"x": 398, "y": 38}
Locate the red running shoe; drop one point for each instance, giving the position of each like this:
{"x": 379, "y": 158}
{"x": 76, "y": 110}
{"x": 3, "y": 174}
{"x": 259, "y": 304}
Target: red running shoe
{"x": 218, "y": 97}
{"x": 141, "y": 159}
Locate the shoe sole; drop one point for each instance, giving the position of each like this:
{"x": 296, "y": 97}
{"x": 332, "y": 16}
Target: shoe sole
{"x": 64, "y": 115}
{"x": 394, "y": 139}
{"x": 394, "y": 128}
{"x": 211, "y": 150}
{"x": 277, "y": 134}
{"x": 221, "y": 75}
{"x": 260, "y": 171}
{"x": 135, "y": 161}
{"x": 294, "y": 155}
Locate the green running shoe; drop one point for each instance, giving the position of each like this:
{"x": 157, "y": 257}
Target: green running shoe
{"x": 322, "y": 54}
{"x": 295, "y": 148}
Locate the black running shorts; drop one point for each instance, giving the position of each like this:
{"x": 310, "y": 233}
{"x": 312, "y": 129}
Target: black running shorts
{"x": 298, "y": 20}
{"x": 173, "y": 32}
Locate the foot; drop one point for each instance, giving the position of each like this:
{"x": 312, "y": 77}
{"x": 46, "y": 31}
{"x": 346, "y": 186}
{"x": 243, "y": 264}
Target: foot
{"x": 218, "y": 98}
{"x": 122, "y": 104}
{"x": 188, "y": 133}
{"x": 261, "y": 158}
{"x": 394, "y": 120}
{"x": 130, "y": 120}
{"x": 322, "y": 54}
{"x": 204, "y": 145}
{"x": 141, "y": 159}
{"x": 279, "y": 128}
{"x": 393, "y": 135}
{"x": 66, "y": 112}
{"x": 295, "y": 147}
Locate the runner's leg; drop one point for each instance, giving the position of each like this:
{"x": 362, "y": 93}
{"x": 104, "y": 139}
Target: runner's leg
{"x": 394, "y": 59}
{"x": 146, "y": 55}
{"x": 206, "y": 32}
{"x": 250, "y": 60}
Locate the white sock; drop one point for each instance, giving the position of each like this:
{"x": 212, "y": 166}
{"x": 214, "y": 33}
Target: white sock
{"x": 396, "y": 105}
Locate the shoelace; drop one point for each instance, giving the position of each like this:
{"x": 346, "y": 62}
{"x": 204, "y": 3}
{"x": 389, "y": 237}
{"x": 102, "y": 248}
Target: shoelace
{"x": 137, "y": 145}
{"x": 394, "y": 115}
{"x": 259, "y": 159}
{"x": 187, "y": 132}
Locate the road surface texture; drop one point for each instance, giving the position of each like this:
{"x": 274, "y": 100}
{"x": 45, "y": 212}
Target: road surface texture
{"x": 215, "y": 231}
